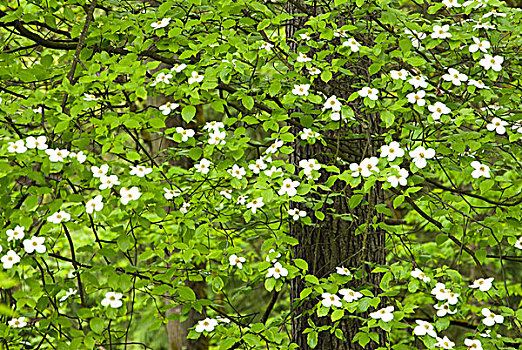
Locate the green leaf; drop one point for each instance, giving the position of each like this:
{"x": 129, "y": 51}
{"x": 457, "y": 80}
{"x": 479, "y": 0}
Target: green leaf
{"x": 248, "y": 102}
{"x": 355, "y": 200}
{"x": 186, "y": 294}
{"x": 187, "y": 113}
{"x": 388, "y": 118}
{"x": 300, "y": 263}
{"x": 97, "y": 325}
{"x": 337, "y": 315}
{"x": 311, "y": 339}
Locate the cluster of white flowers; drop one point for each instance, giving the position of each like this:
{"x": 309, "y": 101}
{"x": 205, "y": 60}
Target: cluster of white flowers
{"x": 40, "y": 143}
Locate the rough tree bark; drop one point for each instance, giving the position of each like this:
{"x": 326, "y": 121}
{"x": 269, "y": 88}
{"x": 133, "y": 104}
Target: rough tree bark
{"x": 333, "y": 241}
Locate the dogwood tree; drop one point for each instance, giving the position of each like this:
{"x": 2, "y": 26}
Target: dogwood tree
{"x": 260, "y": 174}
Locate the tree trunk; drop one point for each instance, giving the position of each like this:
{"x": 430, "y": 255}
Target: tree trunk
{"x": 332, "y": 242}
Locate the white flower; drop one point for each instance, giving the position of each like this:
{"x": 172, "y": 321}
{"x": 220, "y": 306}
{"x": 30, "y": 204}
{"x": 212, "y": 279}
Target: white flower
{"x": 17, "y": 322}
{"x": 226, "y": 193}
{"x": 451, "y": 3}
{"x": 309, "y": 134}
{"x": 400, "y": 179}
{"x": 221, "y": 319}
{"x": 483, "y": 45}
{"x": 213, "y": 126}
{"x": 309, "y": 165}
{"x": 444, "y": 343}
{"x": 168, "y": 107}
{"x": 415, "y": 37}
{"x": 490, "y": 62}
{"x": 305, "y": 36}
{"x": 128, "y": 195}
{"x": 178, "y": 68}
{"x": 420, "y": 154}
{"x": 343, "y": 271}
{"x": 424, "y": 328}
{"x": 255, "y": 204}
{"x": 517, "y": 126}
{"x": 518, "y": 243}
{"x": 399, "y": 74}
{"x": 480, "y": 170}
{"x": 236, "y": 260}
{"x": 444, "y": 310}
{"x": 418, "y": 81}
{"x": 267, "y": 46}
{"x": 302, "y": 58}
{"x": 490, "y": 318}
{"x": 272, "y": 170}
{"x": 332, "y": 103}
{"x": 217, "y": 137}
{"x": 274, "y": 147}
{"x": 36, "y": 142}
{"x": 331, "y": 300}
{"x": 140, "y": 170}
{"x": 80, "y": 156}
{"x": 417, "y": 273}
{"x": 237, "y": 171}
{"x": 17, "y": 233}
{"x": 277, "y": 271}
{"x": 296, "y": 213}
{"x": 160, "y": 23}
{"x": 101, "y": 171}
{"x": 242, "y": 200}
{"x": 112, "y": 299}
{"x": 163, "y": 78}
{"x": 369, "y": 166}
{"x": 314, "y": 71}
{"x": 417, "y": 97}
{"x": 289, "y": 187}
{"x": 57, "y": 155}
{"x": 17, "y": 146}
{"x": 301, "y": 90}
{"x": 58, "y": 217}
{"x": 184, "y": 208}
{"x": 455, "y": 77}
{"x": 95, "y": 204}
{"x": 385, "y": 314}
{"x": 498, "y": 125}
{"x": 276, "y": 256}
{"x": 478, "y": 83}
{"x": 68, "y": 294}
{"x": 171, "y": 193}
{"x": 438, "y": 109}
{"x": 494, "y": 13}
{"x": 473, "y": 344}
{"x": 372, "y": 94}
{"x": 34, "y": 244}
{"x": 483, "y": 25}
{"x": 392, "y": 151}
{"x": 203, "y": 166}
{"x": 441, "y": 32}
{"x": 208, "y": 324}
{"x": 185, "y": 133}
{"x": 257, "y": 166}
{"x": 356, "y": 169}
{"x": 86, "y": 97}
{"x": 350, "y": 295}
{"x": 195, "y": 78}
{"x": 108, "y": 181}
{"x": 453, "y": 298}
{"x": 352, "y": 44}
{"x": 440, "y": 291}
{"x": 483, "y": 284}
{"x": 340, "y": 33}
{"x": 10, "y": 259}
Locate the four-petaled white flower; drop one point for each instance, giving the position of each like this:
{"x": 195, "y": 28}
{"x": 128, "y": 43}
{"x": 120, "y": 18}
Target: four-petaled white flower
{"x": 277, "y": 271}
{"x": 392, "y": 151}
{"x": 480, "y": 170}
{"x": 399, "y": 74}
{"x": 112, "y": 299}
{"x": 440, "y": 291}
{"x": 490, "y": 62}
{"x": 331, "y": 300}
{"x": 484, "y": 284}
{"x": 420, "y": 154}
{"x": 184, "y": 208}
{"x": 289, "y": 187}
{"x": 213, "y": 126}
{"x": 385, "y": 314}
{"x": 36, "y": 142}
{"x": 473, "y": 344}
{"x": 478, "y": 84}
{"x": 255, "y": 204}
{"x": 444, "y": 310}
{"x": 372, "y": 94}
{"x": 108, "y": 181}
{"x": 498, "y": 125}
{"x": 128, "y": 195}
{"x": 518, "y": 243}
{"x": 195, "y": 77}
{"x": 86, "y": 97}
{"x": 237, "y": 171}
{"x": 266, "y": 46}
{"x": 17, "y": 233}
{"x": 453, "y": 298}
{"x": 400, "y": 179}
{"x": 203, "y": 166}
{"x": 352, "y": 44}
{"x": 140, "y": 170}
{"x": 10, "y": 259}
{"x": 301, "y": 90}
{"x": 455, "y": 76}
{"x": 490, "y": 318}
{"x": 257, "y": 166}
{"x": 333, "y": 103}
{"x": 58, "y": 217}
{"x": 417, "y": 273}
{"x": 415, "y": 37}
{"x": 217, "y": 137}
{"x": 482, "y": 45}
{"x": 296, "y": 213}
{"x": 274, "y": 147}
{"x": 302, "y": 58}
{"x": 441, "y": 32}
{"x": 80, "y": 156}
{"x": 208, "y": 325}
{"x": 57, "y": 155}
{"x": 417, "y": 97}
{"x": 304, "y": 36}
{"x": 350, "y": 295}
{"x": 309, "y": 134}
{"x": 95, "y": 204}
{"x": 235, "y": 260}
{"x": 168, "y": 107}
{"x": 444, "y": 343}
{"x": 369, "y": 166}
{"x": 17, "y": 147}
{"x": 275, "y": 257}
{"x": 341, "y": 270}
{"x": 34, "y": 244}
{"x": 438, "y": 109}
{"x": 162, "y": 78}
{"x": 309, "y": 165}
{"x": 185, "y": 133}
{"x": 356, "y": 169}
{"x": 241, "y": 200}
{"x": 171, "y": 193}
{"x": 17, "y": 322}
{"x": 272, "y": 171}
{"x": 451, "y": 3}
{"x": 68, "y": 294}
{"x": 418, "y": 81}
{"x": 424, "y": 328}
{"x": 340, "y": 33}
{"x": 99, "y": 171}
{"x": 178, "y": 68}
{"x": 226, "y": 193}
{"x": 314, "y": 71}
{"x": 160, "y": 23}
